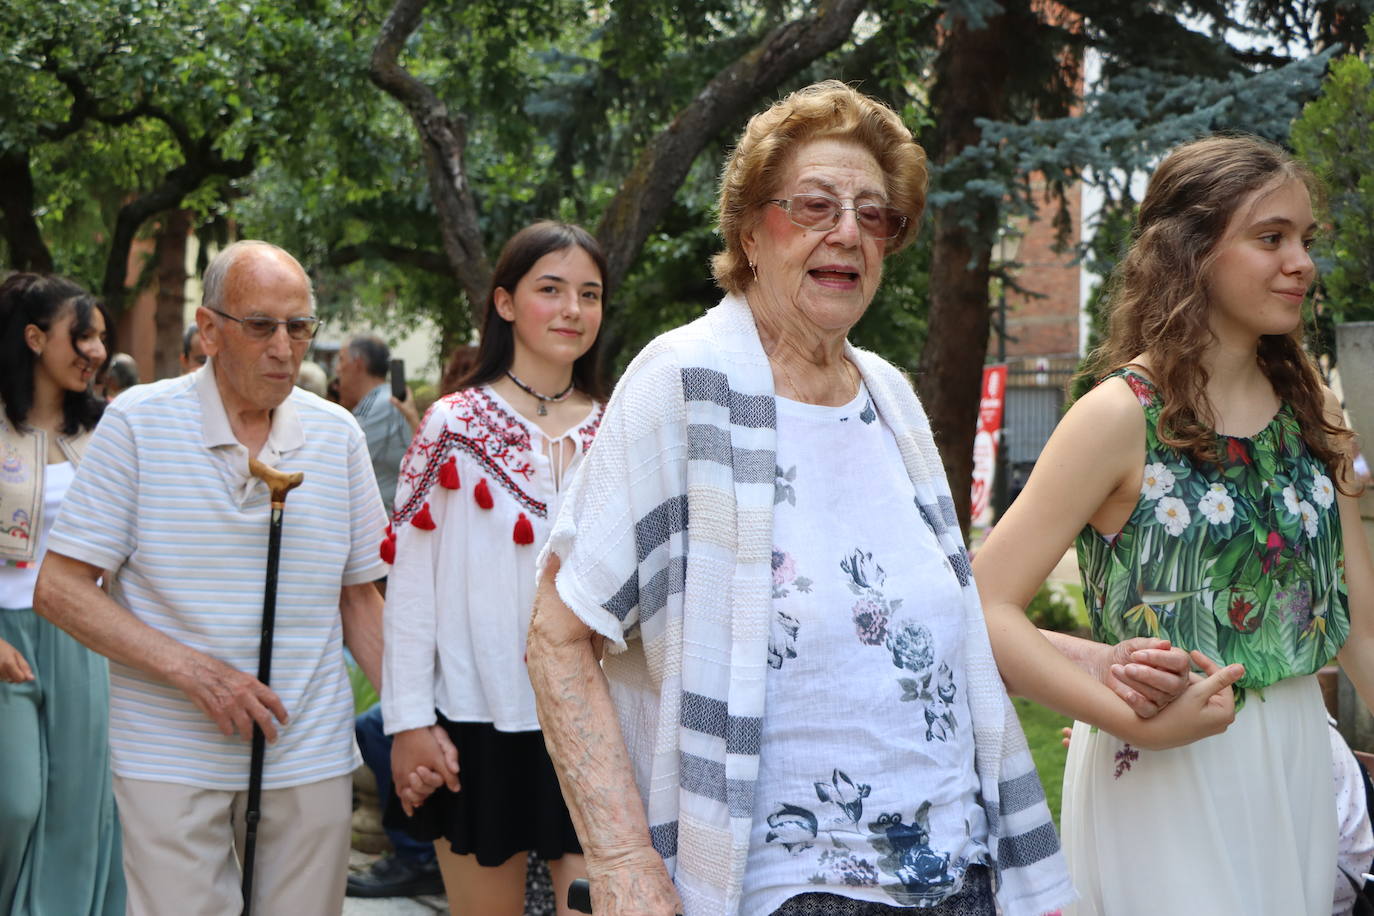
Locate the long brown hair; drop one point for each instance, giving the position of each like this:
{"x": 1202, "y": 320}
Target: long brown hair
{"x": 496, "y": 351}
{"x": 1158, "y": 303}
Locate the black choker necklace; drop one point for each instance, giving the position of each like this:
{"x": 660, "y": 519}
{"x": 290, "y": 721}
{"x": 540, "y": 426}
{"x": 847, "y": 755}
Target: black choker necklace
{"x": 544, "y": 399}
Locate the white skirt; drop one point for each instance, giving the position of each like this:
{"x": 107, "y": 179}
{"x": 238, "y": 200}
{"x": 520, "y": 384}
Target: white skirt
{"x": 1240, "y": 824}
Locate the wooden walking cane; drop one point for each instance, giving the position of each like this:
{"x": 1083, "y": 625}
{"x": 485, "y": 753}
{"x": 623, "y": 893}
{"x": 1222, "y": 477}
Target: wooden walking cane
{"x": 279, "y": 484}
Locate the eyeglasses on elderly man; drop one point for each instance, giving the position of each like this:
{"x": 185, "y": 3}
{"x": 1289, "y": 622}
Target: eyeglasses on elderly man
{"x": 261, "y": 327}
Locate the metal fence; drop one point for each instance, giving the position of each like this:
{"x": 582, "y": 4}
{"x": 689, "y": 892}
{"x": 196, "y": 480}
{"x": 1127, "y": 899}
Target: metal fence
{"x": 1035, "y": 401}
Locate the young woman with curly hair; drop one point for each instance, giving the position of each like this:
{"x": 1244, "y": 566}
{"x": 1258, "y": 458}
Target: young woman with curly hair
{"x": 1206, "y": 480}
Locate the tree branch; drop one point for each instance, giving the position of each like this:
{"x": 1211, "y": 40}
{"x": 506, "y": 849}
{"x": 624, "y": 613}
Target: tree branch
{"x": 175, "y": 185}
{"x": 648, "y": 190}
{"x": 444, "y": 141}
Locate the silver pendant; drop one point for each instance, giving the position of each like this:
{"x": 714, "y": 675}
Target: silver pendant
{"x": 543, "y": 409}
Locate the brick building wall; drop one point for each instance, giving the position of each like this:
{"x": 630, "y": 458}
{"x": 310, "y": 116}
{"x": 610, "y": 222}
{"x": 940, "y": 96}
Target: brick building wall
{"x": 1044, "y": 322}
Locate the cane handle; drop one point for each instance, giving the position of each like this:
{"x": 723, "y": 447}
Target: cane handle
{"x": 278, "y": 482}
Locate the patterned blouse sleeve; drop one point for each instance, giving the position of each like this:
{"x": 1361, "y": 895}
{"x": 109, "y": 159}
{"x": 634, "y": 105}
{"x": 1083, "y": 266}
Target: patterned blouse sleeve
{"x": 409, "y": 620}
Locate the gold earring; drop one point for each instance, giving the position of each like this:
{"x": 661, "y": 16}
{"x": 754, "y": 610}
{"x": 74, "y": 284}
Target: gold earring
{"x": 753, "y": 267}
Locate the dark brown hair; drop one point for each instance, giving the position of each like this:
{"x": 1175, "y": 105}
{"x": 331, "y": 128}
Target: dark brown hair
{"x": 496, "y": 351}
{"x": 1158, "y": 302}
{"x": 40, "y": 299}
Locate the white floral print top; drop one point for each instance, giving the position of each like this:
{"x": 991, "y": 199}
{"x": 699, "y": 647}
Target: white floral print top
{"x": 866, "y": 783}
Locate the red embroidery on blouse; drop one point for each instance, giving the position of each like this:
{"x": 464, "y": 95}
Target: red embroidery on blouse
{"x": 480, "y": 427}
{"x": 587, "y": 432}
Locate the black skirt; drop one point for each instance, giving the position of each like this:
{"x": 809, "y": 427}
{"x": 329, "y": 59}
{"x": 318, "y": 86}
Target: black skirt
{"x": 508, "y": 801}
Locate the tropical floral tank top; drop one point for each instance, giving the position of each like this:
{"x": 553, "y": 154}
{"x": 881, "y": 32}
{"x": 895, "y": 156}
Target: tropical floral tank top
{"x": 1242, "y": 561}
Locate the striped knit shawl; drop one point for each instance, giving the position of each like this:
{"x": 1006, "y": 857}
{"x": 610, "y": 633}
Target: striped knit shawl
{"x": 666, "y": 545}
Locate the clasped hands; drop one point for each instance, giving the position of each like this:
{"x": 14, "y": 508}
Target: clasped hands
{"x": 1150, "y": 674}
{"x": 422, "y": 760}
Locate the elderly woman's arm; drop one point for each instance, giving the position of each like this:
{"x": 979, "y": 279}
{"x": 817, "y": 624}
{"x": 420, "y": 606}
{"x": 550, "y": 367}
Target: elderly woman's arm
{"x": 583, "y": 736}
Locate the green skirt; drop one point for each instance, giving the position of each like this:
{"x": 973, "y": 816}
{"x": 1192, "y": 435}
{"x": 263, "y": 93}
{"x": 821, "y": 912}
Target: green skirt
{"x": 60, "y": 852}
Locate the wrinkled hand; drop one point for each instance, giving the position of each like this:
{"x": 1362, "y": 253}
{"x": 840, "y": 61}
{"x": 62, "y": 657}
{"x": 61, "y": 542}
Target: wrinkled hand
{"x": 422, "y": 760}
{"x": 632, "y": 883}
{"x": 13, "y": 668}
{"x": 234, "y": 700}
{"x": 1147, "y": 673}
{"x": 407, "y": 408}
{"x": 1206, "y": 708}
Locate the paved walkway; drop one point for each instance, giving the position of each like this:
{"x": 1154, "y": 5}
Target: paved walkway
{"x": 538, "y": 896}
{"x": 388, "y": 906}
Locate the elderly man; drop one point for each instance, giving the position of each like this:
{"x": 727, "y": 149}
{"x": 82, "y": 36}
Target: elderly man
{"x": 387, "y": 423}
{"x": 165, "y": 500}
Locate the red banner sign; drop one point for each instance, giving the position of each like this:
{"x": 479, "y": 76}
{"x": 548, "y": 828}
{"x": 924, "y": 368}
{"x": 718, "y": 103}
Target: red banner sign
{"x": 987, "y": 440}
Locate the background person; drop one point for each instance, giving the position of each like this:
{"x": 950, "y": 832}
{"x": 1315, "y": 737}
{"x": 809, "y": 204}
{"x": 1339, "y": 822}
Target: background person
{"x": 387, "y": 422}
{"x": 120, "y": 375}
{"x": 479, "y": 486}
{"x": 165, "y": 499}
{"x": 192, "y": 350}
{"x": 59, "y": 834}
{"x": 411, "y": 869}
{"x": 1204, "y": 481}
{"x": 799, "y": 712}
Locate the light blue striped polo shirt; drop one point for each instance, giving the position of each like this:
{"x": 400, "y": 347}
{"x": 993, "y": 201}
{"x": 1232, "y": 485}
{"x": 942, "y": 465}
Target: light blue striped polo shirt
{"x": 164, "y": 498}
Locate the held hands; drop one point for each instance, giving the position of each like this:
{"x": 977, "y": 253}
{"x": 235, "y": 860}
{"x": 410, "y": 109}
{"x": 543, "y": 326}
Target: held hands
{"x": 233, "y": 699}
{"x": 1206, "y": 708}
{"x": 1147, "y": 673}
{"x": 632, "y": 883}
{"x": 422, "y": 760}
{"x": 13, "y": 668}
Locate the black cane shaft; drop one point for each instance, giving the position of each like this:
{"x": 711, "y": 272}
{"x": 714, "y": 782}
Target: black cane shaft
{"x": 279, "y": 484}
{"x": 269, "y": 599}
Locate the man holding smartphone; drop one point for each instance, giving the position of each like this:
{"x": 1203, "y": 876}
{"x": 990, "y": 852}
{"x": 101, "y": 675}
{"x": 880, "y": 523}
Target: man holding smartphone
{"x": 364, "y": 363}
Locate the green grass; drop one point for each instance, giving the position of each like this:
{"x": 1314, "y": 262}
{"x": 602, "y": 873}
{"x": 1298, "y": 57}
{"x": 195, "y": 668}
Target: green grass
{"x": 1042, "y": 733}
{"x": 364, "y": 694}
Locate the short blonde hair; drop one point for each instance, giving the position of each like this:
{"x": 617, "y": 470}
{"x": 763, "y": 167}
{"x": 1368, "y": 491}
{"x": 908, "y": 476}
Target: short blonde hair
{"x": 825, "y": 110}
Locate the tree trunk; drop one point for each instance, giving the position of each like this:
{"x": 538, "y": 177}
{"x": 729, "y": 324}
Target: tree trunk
{"x": 170, "y": 258}
{"x": 443, "y": 139}
{"x": 27, "y": 250}
{"x": 202, "y": 162}
{"x": 971, "y": 77}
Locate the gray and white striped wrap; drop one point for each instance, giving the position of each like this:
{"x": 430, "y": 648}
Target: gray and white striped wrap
{"x": 665, "y": 540}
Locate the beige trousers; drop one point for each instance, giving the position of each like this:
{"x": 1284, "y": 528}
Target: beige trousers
{"x": 180, "y": 847}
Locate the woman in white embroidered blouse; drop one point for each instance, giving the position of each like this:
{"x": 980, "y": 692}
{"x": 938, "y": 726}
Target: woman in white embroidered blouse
{"x": 799, "y": 712}
{"x": 477, "y": 491}
{"x": 59, "y": 834}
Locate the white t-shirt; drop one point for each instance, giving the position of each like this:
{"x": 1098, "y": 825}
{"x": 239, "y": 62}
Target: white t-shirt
{"x": 461, "y": 589}
{"x": 16, "y": 582}
{"x": 164, "y": 498}
{"x": 866, "y": 782}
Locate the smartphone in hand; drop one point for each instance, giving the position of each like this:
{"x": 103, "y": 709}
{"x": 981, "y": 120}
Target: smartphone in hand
{"x": 398, "y": 379}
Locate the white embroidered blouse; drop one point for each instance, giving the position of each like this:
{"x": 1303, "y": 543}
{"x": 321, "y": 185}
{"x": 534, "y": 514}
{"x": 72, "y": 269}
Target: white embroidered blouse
{"x": 474, "y": 502}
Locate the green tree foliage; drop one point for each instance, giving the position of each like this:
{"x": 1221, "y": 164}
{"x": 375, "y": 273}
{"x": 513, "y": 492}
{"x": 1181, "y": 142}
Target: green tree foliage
{"x": 112, "y": 112}
{"x": 1335, "y": 135}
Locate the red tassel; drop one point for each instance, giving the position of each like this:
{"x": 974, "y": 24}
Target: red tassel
{"x": 448, "y": 474}
{"x": 482, "y": 494}
{"x": 388, "y": 550}
{"x": 423, "y": 520}
{"x": 389, "y": 532}
{"x": 524, "y": 531}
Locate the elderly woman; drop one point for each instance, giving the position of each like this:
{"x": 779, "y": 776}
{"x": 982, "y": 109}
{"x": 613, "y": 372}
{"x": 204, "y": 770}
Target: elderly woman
{"x": 799, "y": 711}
